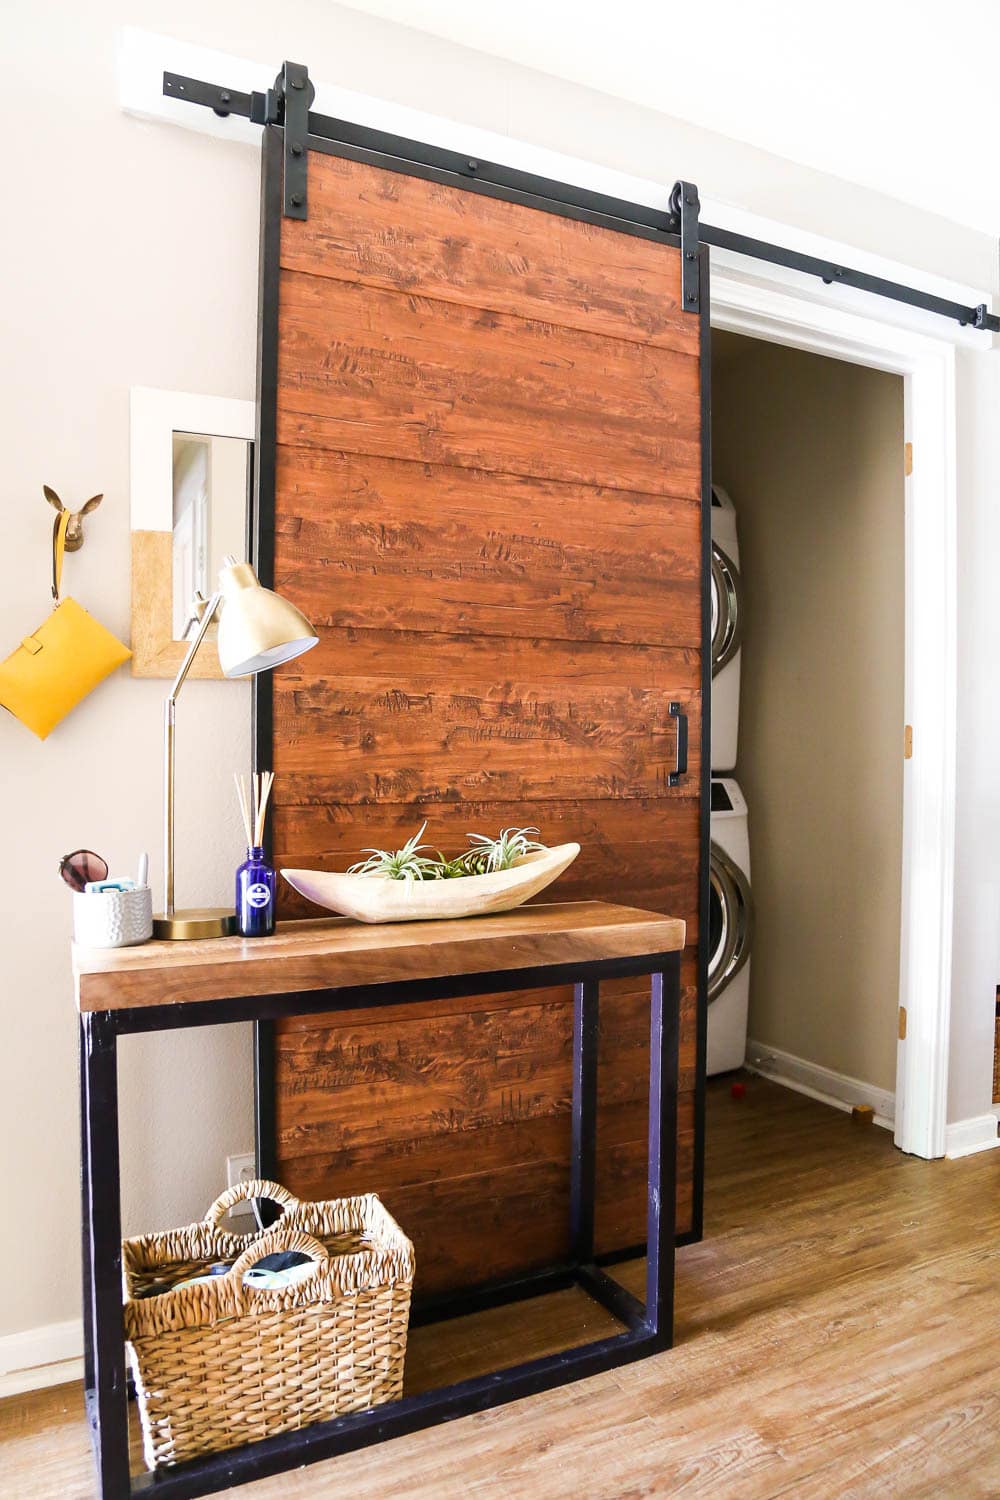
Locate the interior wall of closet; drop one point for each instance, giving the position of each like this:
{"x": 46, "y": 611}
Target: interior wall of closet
{"x": 810, "y": 450}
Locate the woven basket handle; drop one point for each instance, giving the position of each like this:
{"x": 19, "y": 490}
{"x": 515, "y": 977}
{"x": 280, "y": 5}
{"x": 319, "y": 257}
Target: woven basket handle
{"x": 258, "y": 1188}
{"x": 268, "y": 1243}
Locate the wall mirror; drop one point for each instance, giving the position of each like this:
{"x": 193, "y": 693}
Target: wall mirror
{"x": 191, "y": 468}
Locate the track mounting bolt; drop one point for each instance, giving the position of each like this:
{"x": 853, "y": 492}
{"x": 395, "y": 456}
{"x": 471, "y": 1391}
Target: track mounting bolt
{"x": 296, "y": 148}
{"x": 296, "y": 199}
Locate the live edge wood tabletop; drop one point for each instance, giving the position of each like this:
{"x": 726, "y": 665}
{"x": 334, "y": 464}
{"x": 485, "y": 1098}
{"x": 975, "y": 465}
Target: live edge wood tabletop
{"x": 313, "y": 966}
{"x": 335, "y": 953}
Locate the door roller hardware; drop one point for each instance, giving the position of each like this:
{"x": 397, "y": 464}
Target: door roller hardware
{"x": 684, "y": 206}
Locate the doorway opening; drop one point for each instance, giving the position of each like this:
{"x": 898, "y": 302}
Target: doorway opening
{"x": 808, "y": 713}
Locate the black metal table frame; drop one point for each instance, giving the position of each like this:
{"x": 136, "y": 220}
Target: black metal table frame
{"x": 648, "y": 1325}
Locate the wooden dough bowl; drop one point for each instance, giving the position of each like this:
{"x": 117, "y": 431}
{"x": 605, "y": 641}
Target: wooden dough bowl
{"x": 373, "y": 898}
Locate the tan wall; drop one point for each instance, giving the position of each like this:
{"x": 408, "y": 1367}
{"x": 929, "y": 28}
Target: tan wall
{"x": 810, "y": 450}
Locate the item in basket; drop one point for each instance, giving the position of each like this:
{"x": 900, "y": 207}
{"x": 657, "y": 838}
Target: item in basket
{"x": 217, "y": 1268}
{"x": 273, "y": 1273}
{"x": 154, "y": 1288}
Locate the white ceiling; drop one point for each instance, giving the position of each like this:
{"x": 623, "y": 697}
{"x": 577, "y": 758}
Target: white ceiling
{"x": 898, "y": 95}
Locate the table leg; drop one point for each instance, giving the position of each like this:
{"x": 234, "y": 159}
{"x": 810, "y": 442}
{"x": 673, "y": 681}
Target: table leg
{"x": 104, "y": 1336}
{"x": 584, "y": 1146}
{"x": 662, "y": 1182}
{"x": 88, "y": 1301}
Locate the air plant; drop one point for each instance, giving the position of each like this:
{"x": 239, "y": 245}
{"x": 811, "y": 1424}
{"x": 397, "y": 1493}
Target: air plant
{"x": 408, "y": 863}
{"x": 489, "y": 855}
{"x": 411, "y": 862}
{"x": 449, "y": 869}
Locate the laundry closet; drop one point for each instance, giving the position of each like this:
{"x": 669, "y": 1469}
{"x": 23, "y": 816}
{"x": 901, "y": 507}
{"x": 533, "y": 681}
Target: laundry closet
{"x": 807, "y": 718}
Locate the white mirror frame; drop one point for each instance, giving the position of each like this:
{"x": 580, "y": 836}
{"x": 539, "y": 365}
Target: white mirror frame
{"x": 154, "y": 418}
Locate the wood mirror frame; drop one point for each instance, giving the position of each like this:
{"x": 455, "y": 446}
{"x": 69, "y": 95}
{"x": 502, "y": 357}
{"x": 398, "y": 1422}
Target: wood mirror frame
{"x": 154, "y": 418}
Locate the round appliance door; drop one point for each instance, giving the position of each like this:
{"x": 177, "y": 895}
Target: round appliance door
{"x": 730, "y": 925}
{"x": 727, "y": 609}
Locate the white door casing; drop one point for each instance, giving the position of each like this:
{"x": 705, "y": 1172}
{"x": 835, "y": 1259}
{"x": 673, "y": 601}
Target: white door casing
{"x": 763, "y": 309}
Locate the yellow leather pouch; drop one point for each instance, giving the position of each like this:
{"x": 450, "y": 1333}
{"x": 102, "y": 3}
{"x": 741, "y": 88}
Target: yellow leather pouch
{"x": 53, "y": 669}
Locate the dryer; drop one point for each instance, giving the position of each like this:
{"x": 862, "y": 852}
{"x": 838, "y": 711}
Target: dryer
{"x": 727, "y": 631}
{"x": 730, "y": 928}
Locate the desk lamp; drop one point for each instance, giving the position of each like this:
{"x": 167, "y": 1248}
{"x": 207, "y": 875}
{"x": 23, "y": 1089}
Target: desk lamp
{"x": 258, "y": 629}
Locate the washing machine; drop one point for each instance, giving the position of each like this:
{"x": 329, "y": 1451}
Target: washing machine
{"x": 730, "y": 928}
{"x": 727, "y": 630}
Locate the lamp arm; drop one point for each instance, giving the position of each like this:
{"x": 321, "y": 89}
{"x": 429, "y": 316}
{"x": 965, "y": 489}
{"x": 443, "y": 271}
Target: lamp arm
{"x": 211, "y": 609}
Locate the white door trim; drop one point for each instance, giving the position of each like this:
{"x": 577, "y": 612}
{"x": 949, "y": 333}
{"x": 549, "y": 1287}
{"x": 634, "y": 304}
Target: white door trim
{"x": 765, "y": 309}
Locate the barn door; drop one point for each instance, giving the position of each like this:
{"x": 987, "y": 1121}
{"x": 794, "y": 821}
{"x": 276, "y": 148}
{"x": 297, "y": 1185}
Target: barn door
{"x": 482, "y": 478}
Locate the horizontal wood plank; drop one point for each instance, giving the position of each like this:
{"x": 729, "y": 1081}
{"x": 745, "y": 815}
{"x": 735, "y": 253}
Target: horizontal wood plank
{"x": 513, "y": 1213}
{"x": 615, "y": 993}
{"x": 474, "y": 661}
{"x": 383, "y": 543}
{"x": 387, "y": 230}
{"x": 431, "y": 719}
{"x": 645, "y": 852}
{"x": 482, "y": 390}
{"x": 345, "y": 1085}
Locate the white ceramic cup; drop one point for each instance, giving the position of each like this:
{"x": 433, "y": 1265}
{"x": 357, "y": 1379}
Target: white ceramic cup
{"x": 112, "y": 919}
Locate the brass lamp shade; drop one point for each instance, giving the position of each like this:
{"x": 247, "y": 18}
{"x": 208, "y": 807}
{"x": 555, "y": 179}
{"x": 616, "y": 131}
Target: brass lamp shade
{"x": 258, "y": 629}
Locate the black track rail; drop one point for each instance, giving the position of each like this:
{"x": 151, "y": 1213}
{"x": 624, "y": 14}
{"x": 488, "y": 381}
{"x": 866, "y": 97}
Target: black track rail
{"x": 268, "y": 108}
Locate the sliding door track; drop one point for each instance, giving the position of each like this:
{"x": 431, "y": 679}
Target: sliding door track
{"x": 270, "y": 109}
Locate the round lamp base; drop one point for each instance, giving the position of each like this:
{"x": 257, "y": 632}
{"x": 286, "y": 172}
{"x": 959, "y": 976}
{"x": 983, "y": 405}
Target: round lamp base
{"x": 195, "y": 922}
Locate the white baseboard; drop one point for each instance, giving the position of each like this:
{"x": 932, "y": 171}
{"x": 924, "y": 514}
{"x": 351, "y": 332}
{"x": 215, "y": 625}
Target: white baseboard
{"x": 38, "y": 1357}
{"x": 838, "y": 1089}
{"x": 965, "y": 1137}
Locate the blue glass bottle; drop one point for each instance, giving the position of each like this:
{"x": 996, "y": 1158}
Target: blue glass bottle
{"x": 255, "y": 889}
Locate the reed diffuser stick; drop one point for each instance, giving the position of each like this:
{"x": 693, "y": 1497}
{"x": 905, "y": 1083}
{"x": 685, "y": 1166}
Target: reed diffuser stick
{"x": 264, "y": 793}
{"x": 241, "y": 793}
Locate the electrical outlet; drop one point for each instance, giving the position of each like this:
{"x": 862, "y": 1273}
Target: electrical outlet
{"x": 241, "y": 1169}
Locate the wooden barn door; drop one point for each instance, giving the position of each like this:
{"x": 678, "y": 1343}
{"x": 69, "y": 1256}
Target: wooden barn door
{"x": 487, "y": 477}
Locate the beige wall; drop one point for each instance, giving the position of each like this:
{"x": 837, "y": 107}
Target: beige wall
{"x": 811, "y": 452}
{"x": 130, "y": 259}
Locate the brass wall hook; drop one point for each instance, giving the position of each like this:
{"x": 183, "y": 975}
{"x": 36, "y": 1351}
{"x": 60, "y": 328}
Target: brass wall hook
{"x": 74, "y": 530}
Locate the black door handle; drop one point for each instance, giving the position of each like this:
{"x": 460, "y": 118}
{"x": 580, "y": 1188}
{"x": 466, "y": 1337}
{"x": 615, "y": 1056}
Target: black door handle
{"x": 681, "y": 764}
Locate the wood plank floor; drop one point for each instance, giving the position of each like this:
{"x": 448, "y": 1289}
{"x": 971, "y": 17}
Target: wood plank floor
{"x": 838, "y": 1335}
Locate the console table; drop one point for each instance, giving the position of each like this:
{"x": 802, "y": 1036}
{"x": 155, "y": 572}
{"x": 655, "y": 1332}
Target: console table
{"x": 317, "y": 966}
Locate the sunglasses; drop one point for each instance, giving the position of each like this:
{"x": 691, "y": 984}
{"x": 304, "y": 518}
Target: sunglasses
{"x": 81, "y": 866}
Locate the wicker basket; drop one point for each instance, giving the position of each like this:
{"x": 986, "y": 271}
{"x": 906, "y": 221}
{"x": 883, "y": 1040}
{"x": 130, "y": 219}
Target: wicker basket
{"x": 221, "y": 1364}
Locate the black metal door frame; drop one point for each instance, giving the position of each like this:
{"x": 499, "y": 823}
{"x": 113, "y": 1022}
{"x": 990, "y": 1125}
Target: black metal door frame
{"x": 677, "y": 228}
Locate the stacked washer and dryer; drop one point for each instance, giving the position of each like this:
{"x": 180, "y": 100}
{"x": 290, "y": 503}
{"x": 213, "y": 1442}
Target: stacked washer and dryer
{"x": 730, "y": 900}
